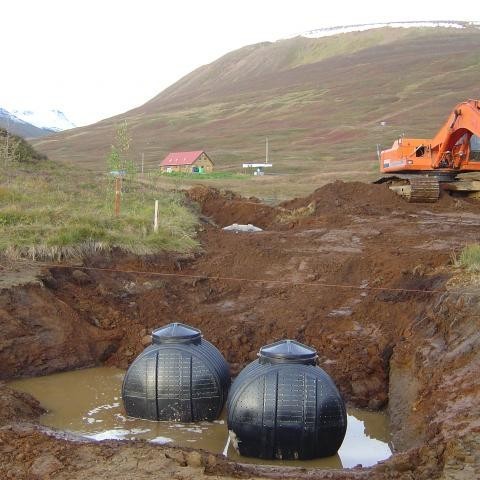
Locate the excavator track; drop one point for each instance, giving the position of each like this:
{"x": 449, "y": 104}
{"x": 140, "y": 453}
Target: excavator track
{"x": 423, "y": 190}
{"x": 414, "y": 188}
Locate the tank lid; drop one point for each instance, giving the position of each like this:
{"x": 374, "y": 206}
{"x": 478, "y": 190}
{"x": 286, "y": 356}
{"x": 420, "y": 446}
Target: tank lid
{"x": 288, "y": 351}
{"x": 176, "y": 333}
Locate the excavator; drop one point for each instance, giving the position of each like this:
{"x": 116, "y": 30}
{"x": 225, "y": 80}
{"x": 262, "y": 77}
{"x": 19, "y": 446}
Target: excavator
{"x": 419, "y": 168}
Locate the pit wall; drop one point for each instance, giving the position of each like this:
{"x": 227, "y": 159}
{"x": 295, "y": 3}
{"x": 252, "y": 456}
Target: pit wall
{"x": 41, "y": 334}
{"x": 434, "y": 390}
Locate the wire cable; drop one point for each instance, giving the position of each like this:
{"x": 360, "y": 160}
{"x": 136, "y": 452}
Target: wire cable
{"x": 260, "y": 281}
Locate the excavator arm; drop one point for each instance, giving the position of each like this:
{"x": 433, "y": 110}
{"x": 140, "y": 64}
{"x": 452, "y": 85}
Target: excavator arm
{"x": 464, "y": 122}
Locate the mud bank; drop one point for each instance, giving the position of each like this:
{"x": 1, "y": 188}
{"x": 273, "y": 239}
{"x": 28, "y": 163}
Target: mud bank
{"x": 357, "y": 275}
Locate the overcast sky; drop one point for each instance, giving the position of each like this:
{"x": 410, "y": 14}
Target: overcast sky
{"x": 96, "y": 58}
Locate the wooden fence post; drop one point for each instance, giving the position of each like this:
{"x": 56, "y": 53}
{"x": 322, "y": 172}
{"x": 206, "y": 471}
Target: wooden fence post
{"x": 118, "y": 190}
{"x": 155, "y": 218}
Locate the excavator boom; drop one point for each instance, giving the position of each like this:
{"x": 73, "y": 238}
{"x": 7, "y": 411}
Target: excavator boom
{"x": 464, "y": 121}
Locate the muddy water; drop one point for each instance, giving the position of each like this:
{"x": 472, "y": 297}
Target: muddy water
{"x": 88, "y": 402}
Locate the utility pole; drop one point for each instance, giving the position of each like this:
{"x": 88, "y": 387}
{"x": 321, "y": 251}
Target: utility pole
{"x": 266, "y": 149}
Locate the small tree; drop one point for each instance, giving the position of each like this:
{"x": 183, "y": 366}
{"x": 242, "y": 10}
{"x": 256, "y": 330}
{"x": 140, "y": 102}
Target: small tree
{"x": 118, "y": 158}
{"x": 10, "y": 151}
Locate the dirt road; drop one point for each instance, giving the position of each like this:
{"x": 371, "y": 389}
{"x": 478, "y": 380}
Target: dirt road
{"x": 352, "y": 270}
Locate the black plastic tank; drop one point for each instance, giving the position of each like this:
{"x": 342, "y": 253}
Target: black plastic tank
{"x": 283, "y": 406}
{"x": 180, "y": 377}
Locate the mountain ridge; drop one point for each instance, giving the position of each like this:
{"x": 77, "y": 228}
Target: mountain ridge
{"x": 34, "y": 123}
{"x": 16, "y": 126}
{"x": 53, "y": 119}
{"x": 335, "y": 30}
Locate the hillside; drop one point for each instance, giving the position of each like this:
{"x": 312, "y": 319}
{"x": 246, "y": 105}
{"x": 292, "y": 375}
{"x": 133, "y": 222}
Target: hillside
{"x": 320, "y": 101}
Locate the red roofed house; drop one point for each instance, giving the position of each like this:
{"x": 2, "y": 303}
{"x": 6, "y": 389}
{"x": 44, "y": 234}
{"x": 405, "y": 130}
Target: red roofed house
{"x": 188, "y": 162}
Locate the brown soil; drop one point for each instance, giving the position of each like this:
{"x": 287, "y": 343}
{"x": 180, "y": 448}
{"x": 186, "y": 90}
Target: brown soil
{"x": 360, "y": 279}
{"x": 368, "y": 199}
{"x": 226, "y": 208}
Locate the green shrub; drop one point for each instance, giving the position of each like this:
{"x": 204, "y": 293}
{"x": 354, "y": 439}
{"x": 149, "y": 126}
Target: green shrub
{"x": 10, "y": 218}
{"x": 470, "y": 257}
{"x": 19, "y": 149}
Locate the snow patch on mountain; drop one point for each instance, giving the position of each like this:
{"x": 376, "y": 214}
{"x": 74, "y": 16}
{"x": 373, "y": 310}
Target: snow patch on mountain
{"x": 330, "y": 31}
{"x": 9, "y": 117}
{"x": 54, "y": 120}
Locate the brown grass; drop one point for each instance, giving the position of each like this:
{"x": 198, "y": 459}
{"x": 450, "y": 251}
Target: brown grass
{"x": 286, "y": 216}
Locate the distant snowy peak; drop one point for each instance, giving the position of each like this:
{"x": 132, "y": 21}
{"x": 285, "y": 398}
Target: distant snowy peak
{"x": 329, "y": 31}
{"x": 54, "y": 120}
{"x": 10, "y": 117}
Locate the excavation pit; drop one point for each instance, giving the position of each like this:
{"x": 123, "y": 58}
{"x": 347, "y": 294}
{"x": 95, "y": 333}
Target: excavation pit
{"x": 88, "y": 403}
{"x": 404, "y": 338}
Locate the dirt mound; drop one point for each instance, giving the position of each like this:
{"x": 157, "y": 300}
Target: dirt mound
{"x": 335, "y": 203}
{"x": 225, "y": 208}
{"x": 366, "y": 199}
{"x": 348, "y": 196}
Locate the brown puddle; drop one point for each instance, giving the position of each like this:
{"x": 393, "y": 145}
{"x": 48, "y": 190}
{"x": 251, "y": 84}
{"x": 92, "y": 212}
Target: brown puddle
{"x": 88, "y": 402}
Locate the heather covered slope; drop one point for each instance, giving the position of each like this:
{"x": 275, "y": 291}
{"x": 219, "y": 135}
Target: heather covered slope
{"x": 320, "y": 102}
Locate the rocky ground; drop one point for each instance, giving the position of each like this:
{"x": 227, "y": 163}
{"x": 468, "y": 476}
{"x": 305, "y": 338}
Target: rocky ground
{"x": 353, "y": 270}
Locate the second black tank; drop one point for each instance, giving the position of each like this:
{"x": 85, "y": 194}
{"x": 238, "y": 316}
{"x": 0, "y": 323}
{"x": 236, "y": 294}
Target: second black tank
{"x": 283, "y": 406}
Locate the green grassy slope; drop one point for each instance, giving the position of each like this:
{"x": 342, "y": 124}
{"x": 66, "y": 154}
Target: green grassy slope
{"x": 320, "y": 102}
{"x": 52, "y": 211}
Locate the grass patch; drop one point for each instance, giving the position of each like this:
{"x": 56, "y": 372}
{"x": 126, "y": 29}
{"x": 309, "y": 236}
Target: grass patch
{"x": 469, "y": 258}
{"x": 206, "y": 176}
{"x": 50, "y": 211}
